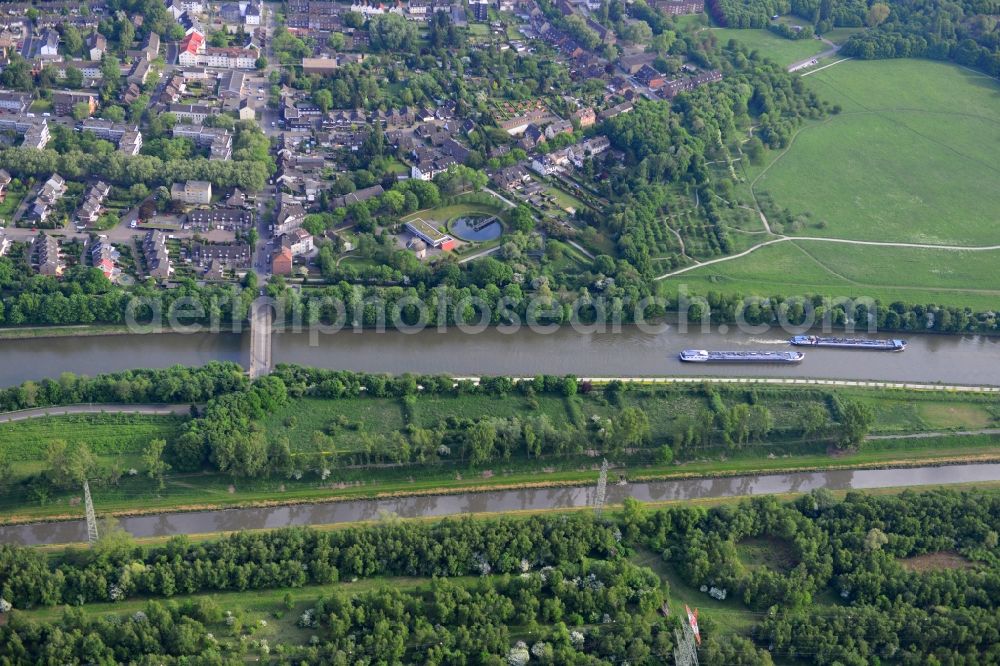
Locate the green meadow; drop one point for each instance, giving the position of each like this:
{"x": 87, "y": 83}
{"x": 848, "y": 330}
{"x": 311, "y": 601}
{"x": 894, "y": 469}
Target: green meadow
{"x": 911, "y": 157}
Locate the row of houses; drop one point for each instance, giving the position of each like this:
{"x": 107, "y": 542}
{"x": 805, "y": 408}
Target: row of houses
{"x": 46, "y": 257}
{"x": 90, "y": 210}
{"x": 50, "y": 193}
{"x": 34, "y": 130}
{"x": 127, "y": 137}
{"x": 194, "y": 52}
{"x": 218, "y": 140}
{"x": 157, "y": 256}
{"x": 104, "y": 257}
{"x": 558, "y": 160}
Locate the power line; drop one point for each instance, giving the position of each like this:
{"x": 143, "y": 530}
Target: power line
{"x": 602, "y": 489}
{"x": 91, "y": 518}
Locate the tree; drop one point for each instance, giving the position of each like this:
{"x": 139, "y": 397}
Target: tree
{"x": 74, "y": 77}
{"x": 260, "y": 63}
{"x": 114, "y": 544}
{"x": 521, "y": 219}
{"x": 81, "y": 111}
{"x": 72, "y": 40}
{"x": 241, "y": 454}
{"x": 391, "y": 32}
{"x": 323, "y": 99}
{"x": 152, "y": 460}
{"x": 115, "y": 114}
{"x": 336, "y": 41}
{"x": 856, "y": 419}
{"x": 68, "y": 466}
{"x": 877, "y": 14}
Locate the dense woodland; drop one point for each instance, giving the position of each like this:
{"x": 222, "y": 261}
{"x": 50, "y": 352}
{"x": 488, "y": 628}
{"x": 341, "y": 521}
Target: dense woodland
{"x": 835, "y": 590}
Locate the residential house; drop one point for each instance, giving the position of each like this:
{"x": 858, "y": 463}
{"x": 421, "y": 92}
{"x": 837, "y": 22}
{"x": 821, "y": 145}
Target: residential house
{"x": 511, "y": 178}
{"x": 130, "y": 142}
{"x": 36, "y": 134}
{"x": 15, "y": 102}
{"x": 251, "y": 17}
{"x": 98, "y": 45}
{"x": 227, "y": 219}
{"x": 281, "y": 261}
{"x": 585, "y": 116}
{"x": 192, "y": 113}
{"x": 633, "y": 63}
{"x": 290, "y": 215}
{"x": 46, "y": 256}
{"x": 104, "y": 257}
{"x": 672, "y": 88}
{"x": 90, "y": 210}
{"x": 617, "y": 110}
{"x": 231, "y": 84}
{"x": 648, "y": 76}
{"x": 151, "y": 47}
{"x": 63, "y": 102}
{"x": 299, "y": 241}
{"x": 233, "y": 256}
{"x": 139, "y": 71}
{"x": 4, "y": 182}
{"x": 358, "y": 196}
{"x": 51, "y": 191}
{"x": 230, "y": 13}
{"x": 154, "y": 249}
{"x": 191, "y": 47}
{"x": 4, "y": 243}
{"x": 558, "y": 127}
{"x": 192, "y": 192}
{"x": 47, "y": 45}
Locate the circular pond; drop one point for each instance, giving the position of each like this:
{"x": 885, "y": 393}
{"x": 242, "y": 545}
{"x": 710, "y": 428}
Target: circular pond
{"x": 476, "y": 228}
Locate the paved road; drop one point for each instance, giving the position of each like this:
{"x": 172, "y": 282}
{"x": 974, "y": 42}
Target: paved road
{"x": 787, "y": 381}
{"x": 812, "y": 60}
{"x": 94, "y": 408}
{"x": 929, "y": 435}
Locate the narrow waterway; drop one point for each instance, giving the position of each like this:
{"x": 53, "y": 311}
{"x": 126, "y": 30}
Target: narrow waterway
{"x": 500, "y": 501}
{"x": 628, "y": 352}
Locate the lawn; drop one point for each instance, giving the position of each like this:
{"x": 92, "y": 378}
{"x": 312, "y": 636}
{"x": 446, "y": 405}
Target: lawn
{"x": 105, "y": 434}
{"x": 833, "y": 269}
{"x": 347, "y": 419}
{"x": 780, "y": 50}
{"x": 10, "y": 203}
{"x": 912, "y": 157}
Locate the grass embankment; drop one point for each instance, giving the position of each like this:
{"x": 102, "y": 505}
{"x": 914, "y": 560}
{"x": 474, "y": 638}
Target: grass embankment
{"x": 909, "y": 159}
{"x": 349, "y": 425}
{"x": 115, "y": 439}
{"x": 82, "y": 330}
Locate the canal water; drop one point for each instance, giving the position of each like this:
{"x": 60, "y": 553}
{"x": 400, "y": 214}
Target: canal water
{"x": 628, "y": 352}
{"x": 501, "y": 501}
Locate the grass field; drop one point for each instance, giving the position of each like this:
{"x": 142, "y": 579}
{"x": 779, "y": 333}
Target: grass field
{"x": 912, "y": 157}
{"x": 105, "y": 434}
{"x": 780, "y": 50}
{"x": 890, "y": 274}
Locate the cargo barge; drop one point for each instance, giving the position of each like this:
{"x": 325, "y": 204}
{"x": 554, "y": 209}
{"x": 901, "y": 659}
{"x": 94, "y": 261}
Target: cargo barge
{"x": 704, "y": 356}
{"x": 849, "y": 343}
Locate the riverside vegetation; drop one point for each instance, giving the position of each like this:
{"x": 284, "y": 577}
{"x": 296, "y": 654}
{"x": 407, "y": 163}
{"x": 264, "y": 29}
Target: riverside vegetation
{"x": 304, "y": 434}
{"x": 818, "y": 580}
